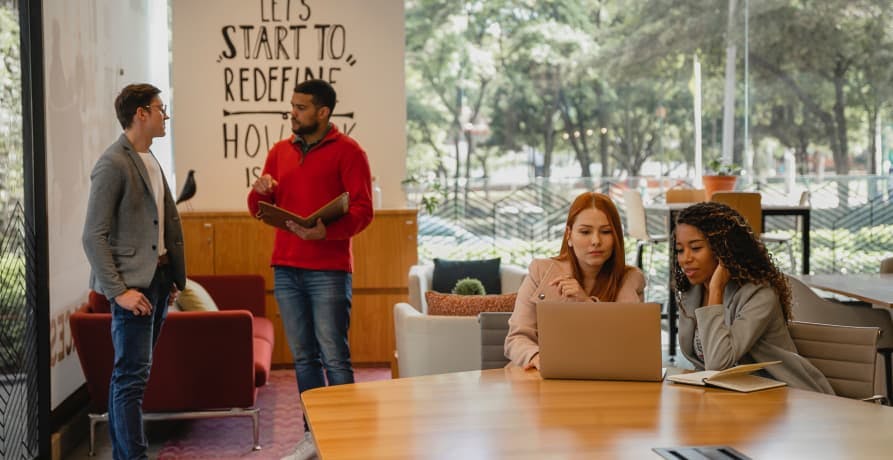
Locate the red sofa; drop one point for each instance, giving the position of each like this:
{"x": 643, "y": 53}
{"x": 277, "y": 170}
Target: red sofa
{"x": 205, "y": 364}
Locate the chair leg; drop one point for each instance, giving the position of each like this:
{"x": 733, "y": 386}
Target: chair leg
{"x": 886, "y": 352}
{"x": 640, "y": 249}
{"x": 791, "y": 255}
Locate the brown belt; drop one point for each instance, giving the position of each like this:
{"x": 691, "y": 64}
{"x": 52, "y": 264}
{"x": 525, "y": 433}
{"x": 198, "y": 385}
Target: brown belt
{"x": 163, "y": 260}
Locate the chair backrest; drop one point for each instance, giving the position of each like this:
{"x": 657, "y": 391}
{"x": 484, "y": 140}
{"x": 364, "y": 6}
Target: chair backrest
{"x": 805, "y": 198}
{"x": 807, "y": 306}
{"x": 686, "y": 195}
{"x": 846, "y": 355}
{"x": 748, "y": 204}
{"x": 636, "y": 223}
{"x": 494, "y": 328}
{"x": 887, "y": 265}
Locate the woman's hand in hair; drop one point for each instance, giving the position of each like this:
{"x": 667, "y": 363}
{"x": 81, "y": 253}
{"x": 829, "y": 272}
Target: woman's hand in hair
{"x": 569, "y": 288}
{"x": 718, "y": 283}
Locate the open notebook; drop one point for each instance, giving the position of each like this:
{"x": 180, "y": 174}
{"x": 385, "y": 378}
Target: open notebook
{"x": 737, "y": 378}
{"x": 276, "y": 216}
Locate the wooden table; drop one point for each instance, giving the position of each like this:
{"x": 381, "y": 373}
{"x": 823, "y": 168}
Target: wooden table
{"x": 875, "y": 288}
{"x": 509, "y": 413}
{"x": 672, "y": 209}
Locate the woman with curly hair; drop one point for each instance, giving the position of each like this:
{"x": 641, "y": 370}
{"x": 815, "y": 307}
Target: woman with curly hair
{"x": 591, "y": 265}
{"x": 734, "y": 302}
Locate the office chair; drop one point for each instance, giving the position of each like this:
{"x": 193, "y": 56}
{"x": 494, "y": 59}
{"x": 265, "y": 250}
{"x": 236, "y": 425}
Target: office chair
{"x": 808, "y": 306}
{"x": 494, "y": 328}
{"x": 637, "y": 225}
{"x": 845, "y": 355}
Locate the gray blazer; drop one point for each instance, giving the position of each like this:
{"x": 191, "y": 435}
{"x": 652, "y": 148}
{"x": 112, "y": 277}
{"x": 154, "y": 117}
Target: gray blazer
{"x": 121, "y": 230}
{"x": 748, "y": 327}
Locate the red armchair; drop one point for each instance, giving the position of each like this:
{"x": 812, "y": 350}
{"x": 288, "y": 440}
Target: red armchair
{"x": 206, "y": 364}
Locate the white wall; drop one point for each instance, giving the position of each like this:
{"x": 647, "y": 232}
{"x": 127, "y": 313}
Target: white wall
{"x": 364, "y": 63}
{"x": 92, "y": 49}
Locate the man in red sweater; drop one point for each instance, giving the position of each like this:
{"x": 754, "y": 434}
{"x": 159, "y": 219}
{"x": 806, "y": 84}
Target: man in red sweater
{"x": 313, "y": 266}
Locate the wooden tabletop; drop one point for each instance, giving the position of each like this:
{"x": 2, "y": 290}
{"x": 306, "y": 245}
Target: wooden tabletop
{"x": 874, "y": 288}
{"x": 508, "y": 412}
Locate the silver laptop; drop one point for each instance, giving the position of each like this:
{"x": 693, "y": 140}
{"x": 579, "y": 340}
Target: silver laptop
{"x": 599, "y": 340}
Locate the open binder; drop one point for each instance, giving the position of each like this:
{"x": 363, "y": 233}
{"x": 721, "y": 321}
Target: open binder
{"x": 737, "y": 378}
{"x": 330, "y": 212}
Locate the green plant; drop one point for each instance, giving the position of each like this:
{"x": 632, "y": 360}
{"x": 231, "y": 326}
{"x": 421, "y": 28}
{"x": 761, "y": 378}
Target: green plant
{"x": 716, "y": 167}
{"x": 469, "y": 286}
{"x": 430, "y": 196}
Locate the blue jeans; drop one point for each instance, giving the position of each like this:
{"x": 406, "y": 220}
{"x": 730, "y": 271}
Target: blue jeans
{"x": 315, "y": 310}
{"x": 134, "y": 338}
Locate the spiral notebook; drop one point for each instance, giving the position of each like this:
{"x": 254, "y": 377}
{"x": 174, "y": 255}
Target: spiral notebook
{"x": 330, "y": 212}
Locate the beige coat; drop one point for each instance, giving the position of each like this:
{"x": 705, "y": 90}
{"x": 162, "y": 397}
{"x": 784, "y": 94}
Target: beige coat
{"x": 748, "y": 327}
{"x": 521, "y": 343}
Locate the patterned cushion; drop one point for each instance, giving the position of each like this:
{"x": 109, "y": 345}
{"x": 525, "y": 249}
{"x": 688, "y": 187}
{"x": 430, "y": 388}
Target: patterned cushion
{"x": 468, "y": 305}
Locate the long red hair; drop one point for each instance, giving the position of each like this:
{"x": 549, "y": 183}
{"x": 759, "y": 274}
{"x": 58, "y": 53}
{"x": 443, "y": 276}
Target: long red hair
{"x": 608, "y": 279}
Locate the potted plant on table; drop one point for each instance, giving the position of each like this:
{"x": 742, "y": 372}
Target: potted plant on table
{"x": 720, "y": 177}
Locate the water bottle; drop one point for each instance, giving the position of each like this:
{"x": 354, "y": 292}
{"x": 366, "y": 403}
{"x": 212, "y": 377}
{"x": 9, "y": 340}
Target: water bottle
{"x": 376, "y": 194}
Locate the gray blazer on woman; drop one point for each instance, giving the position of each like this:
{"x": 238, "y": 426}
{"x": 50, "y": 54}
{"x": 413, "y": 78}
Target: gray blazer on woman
{"x": 748, "y": 327}
{"x": 121, "y": 231}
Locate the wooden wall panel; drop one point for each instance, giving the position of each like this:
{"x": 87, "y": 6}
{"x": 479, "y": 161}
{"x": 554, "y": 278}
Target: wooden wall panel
{"x": 384, "y": 252}
{"x": 243, "y": 245}
{"x": 198, "y": 239}
{"x": 372, "y": 327}
{"x": 236, "y": 243}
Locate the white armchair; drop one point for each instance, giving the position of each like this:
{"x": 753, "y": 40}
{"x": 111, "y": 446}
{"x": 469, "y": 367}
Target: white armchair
{"x": 439, "y": 344}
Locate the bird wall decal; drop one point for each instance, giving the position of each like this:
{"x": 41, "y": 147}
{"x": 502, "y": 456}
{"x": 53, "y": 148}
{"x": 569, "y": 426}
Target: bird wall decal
{"x": 188, "y": 190}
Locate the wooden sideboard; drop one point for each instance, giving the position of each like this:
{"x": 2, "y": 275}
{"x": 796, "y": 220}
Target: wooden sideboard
{"x": 235, "y": 242}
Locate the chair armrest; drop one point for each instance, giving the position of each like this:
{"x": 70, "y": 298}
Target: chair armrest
{"x": 435, "y": 344}
{"x": 511, "y": 277}
{"x": 203, "y": 360}
{"x": 420, "y": 279}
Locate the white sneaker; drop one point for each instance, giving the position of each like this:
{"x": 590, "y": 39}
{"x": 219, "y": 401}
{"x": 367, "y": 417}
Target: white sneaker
{"x": 305, "y": 450}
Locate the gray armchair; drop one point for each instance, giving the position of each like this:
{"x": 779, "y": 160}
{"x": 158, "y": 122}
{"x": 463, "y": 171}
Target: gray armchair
{"x": 429, "y": 344}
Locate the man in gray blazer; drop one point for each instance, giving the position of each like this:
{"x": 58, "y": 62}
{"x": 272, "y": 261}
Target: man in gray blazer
{"x": 134, "y": 243}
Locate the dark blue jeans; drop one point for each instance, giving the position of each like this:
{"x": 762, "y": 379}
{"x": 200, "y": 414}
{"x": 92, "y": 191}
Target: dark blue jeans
{"x": 315, "y": 310}
{"x": 134, "y": 338}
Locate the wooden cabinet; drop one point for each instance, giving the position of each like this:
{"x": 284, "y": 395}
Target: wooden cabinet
{"x": 234, "y": 242}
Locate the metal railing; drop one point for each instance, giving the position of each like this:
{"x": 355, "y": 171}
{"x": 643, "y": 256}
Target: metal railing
{"x": 18, "y": 346}
{"x": 851, "y": 228}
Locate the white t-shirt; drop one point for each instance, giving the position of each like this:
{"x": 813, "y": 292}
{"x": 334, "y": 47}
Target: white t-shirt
{"x": 155, "y": 178}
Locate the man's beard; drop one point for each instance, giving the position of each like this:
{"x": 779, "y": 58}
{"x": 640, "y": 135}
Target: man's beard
{"x": 304, "y": 130}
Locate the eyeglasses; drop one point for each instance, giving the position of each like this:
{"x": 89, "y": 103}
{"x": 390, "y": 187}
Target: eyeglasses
{"x": 162, "y": 107}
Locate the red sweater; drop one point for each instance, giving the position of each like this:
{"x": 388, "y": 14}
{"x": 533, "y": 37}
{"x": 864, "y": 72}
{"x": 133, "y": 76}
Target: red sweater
{"x": 308, "y": 181}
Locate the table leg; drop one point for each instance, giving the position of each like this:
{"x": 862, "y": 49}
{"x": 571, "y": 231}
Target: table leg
{"x": 805, "y": 241}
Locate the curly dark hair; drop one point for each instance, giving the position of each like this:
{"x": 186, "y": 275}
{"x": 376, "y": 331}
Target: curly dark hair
{"x": 732, "y": 241}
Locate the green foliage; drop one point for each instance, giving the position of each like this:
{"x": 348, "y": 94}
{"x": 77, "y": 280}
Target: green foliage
{"x": 11, "y": 166}
{"x": 12, "y": 310}
{"x": 469, "y": 286}
{"x": 717, "y": 167}
{"x": 427, "y": 195}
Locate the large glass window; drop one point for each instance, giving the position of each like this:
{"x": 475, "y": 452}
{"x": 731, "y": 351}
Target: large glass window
{"x": 515, "y": 106}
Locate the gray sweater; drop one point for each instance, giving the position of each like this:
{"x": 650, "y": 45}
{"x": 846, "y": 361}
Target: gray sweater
{"x": 748, "y": 327}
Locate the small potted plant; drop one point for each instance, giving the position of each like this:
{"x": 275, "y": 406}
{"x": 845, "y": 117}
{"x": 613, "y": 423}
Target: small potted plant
{"x": 720, "y": 177}
{"x": 469, "y": 286}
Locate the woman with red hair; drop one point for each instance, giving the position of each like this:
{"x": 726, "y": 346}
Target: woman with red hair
{"x": 590, "y": 266}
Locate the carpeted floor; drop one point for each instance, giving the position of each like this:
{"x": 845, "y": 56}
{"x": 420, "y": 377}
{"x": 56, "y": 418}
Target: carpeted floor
{"x": 281, "y": 424}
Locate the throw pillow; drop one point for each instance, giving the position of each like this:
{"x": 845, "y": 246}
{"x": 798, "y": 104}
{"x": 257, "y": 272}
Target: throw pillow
{"x": 194, "y": 297}
{"x": 448, "y": 272}
{"x": 468, "y": 305}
